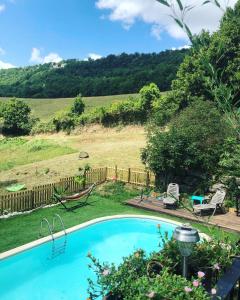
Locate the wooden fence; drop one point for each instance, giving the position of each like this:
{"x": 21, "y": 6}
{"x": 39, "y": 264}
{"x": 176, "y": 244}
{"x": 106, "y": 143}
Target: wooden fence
{"x": 40, "y": 196}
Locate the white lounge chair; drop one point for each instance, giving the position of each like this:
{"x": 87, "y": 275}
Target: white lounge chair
{"x": 172, "y": 196}
{"x": 215, "y": 203}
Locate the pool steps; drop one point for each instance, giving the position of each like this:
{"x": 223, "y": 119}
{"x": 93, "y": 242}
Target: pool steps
{"x": 56, "y": 250}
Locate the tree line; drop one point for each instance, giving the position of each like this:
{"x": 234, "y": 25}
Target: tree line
{"x": 112, "y": 75}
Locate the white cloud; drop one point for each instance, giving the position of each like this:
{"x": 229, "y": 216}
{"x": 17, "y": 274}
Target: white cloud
{"x": 93, "y": 56}
{"x": 36, "y": 57}
{"x": 2, "y": 7}
{"x": 152, "y": 12}
{"x": 52, "y": 57}
{"x": 156, "y": 31}
{"x": 4, "y": 65}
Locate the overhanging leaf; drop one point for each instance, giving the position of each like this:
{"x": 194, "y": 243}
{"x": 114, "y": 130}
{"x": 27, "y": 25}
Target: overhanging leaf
{"x": 164, "y": 2}
{"x": 180, "y": 4}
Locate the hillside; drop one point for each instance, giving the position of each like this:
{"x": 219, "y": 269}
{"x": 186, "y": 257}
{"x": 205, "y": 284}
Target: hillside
{"x": 44, "y": 109}
{"x": 122, "y": 74}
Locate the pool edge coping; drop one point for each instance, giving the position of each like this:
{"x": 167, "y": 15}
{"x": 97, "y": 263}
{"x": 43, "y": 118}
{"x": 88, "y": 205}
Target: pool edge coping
{"x": 59, "y": 234}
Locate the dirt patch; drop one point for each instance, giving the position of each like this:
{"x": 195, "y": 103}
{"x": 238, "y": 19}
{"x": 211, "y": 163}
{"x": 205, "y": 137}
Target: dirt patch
{"x": 105, "y": 146}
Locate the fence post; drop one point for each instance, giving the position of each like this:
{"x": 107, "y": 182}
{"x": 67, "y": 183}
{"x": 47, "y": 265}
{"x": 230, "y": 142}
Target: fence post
{"x": 129, "y": 174}
{"x": 106, "y": 174}
{"x": 32, "y": 199}
{"x": 116, "y": 173}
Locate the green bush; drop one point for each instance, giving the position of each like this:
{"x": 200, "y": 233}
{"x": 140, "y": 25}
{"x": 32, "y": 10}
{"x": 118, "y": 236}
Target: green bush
{"x": 16, "y": 117}
{"x": 64, "y": 121}
{"x": 164, "y": 109}
{"x": 78, "y": 106}
{"x": 192, "y": 145}
{"x": 43, "y": 127}
{"x": 230, "y": 159}
{"x": 149, "y": 94}
{"x": 158, "y": 276}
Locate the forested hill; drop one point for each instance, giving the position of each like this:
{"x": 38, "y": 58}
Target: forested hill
{"x": 122, "y": 74}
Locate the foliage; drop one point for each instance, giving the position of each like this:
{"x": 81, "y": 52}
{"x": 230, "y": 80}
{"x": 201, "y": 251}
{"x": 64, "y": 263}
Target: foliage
{"x": 111, "y": 75}
{"x": 193, "y": 144}
{"x": 164, "y": 109}
{"x": 230, "y": 159}
{"x": 81, "y": 176}
{"x": 233, "y": 189}
{"x": 148, "y": 95}
{"x": 16, "y": 117}
{"x": 64, "y": 121}
{"x": 78, "y": 106}
{"x": 211, "y": 69}
{"x": 132, "y": 279}
{"x": 43, "y": 127}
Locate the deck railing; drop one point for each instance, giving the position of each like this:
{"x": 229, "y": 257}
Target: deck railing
{"x": 40, "y": 196}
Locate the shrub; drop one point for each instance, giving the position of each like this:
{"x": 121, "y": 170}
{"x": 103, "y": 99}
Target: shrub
{"x": 134, "y": 279}
{"x": 149, "y": 94}
{"x": 43, "y": 127}
{"x": 164, "y": 109}
{"x": 193, "y": 145}
{"x": 230, "y": 159}
{"x": 64, "y": 121}
{"x": 16, "y": 116}
{"x": 78, "y": 106}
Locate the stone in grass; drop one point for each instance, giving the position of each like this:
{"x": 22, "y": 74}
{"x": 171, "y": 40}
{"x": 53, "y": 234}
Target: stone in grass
{"x": 83, "y": 155}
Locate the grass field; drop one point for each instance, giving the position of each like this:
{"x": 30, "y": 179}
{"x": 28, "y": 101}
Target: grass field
{"x": 25, "y": 228}
{"x": 58, "y": 154}
{"x": 44, "y": 109}
{"x": 20, "y": 151}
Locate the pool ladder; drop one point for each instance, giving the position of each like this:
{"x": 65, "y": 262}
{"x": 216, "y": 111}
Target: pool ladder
{"x": 56, "y": 249}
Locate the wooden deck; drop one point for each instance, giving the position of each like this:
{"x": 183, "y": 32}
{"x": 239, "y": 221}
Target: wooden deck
{"x": 228, "y": 221}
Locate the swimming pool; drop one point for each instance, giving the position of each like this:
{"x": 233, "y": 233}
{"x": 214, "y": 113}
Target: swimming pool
{"x": 44, "y": 273}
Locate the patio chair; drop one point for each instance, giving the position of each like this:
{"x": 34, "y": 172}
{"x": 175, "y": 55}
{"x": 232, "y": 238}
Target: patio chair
{"x": 171, "y": 198}
{"x": 215, "y": 203}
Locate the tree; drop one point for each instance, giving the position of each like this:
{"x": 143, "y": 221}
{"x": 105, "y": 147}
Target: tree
{"x": 16, "y": 116}
{"x": 192, "y": 145}
{"x": 149, "y": 94}
{"x": 78, "y": 106}
{"x": 212, "y": 69}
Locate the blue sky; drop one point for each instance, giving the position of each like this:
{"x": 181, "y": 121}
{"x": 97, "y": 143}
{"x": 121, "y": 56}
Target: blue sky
{"x": 37, "y": 31}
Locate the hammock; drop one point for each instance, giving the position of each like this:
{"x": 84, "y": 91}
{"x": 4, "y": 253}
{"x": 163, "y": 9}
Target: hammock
{"x": 75, "y": 197}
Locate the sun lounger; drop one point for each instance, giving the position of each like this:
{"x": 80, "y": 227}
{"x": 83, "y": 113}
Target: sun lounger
{"x": 215, "y": 203}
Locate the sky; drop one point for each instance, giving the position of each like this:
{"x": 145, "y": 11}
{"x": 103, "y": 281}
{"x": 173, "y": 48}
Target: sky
{"x": 42, "y": 31}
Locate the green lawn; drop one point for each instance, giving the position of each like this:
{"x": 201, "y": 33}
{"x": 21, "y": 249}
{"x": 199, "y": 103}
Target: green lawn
{"x": 46, "y": 108}
{"x": 20, "y": 151}
{"x": 22, "y": 229}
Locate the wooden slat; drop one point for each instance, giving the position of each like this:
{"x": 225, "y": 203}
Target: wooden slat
{"x": 42, "y": 195}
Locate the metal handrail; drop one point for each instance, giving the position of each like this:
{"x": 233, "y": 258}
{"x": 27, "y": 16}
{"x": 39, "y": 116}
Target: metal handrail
{"x": 57, "y": 216}
{"x": 49, "y": 227}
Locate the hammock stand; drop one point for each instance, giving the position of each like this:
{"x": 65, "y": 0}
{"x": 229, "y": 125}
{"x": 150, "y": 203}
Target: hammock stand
{"x": 75, "y": 197}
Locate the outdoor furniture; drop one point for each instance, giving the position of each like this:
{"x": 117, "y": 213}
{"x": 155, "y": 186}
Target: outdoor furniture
{"x": 76, "y": 197}
{"x": 215, "y": 203}
{"x": 197, "y": 198}
{"x": 171, "y": 198}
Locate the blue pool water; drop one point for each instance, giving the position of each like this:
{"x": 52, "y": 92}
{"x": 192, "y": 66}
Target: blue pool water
{"x": 36, "y": 275}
